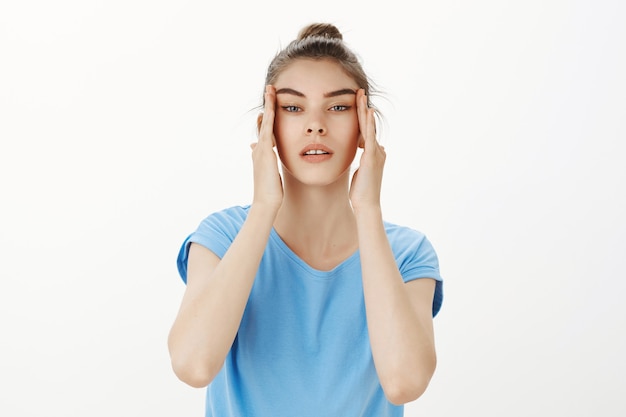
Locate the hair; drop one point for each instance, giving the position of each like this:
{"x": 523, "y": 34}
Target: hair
{"x": 319, "y": 41}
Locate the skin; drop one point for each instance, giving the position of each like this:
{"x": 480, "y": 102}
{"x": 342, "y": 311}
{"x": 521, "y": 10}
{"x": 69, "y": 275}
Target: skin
{"x": 324, "y": 216}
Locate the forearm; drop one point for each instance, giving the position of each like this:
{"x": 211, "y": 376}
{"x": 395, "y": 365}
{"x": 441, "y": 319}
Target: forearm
{"x": 401, "y": 339}
{"x": 211, "y": 310}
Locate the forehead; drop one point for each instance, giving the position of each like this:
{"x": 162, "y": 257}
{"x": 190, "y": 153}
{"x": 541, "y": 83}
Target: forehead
{"x": 314, "y": 76}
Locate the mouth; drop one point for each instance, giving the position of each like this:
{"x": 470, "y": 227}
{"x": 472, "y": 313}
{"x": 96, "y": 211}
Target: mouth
{"x": 316, "y": 149}
{"x": 316, "y": 152}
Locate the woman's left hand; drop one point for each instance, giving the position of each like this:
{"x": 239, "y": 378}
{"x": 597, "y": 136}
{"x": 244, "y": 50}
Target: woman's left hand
{"x": 367, "y": 180}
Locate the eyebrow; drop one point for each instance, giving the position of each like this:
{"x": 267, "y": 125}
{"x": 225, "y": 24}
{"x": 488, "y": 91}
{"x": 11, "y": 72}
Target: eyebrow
{"x": 326, "y": 95}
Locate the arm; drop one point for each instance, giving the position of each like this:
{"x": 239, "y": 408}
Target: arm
{"x": 218, "y": 290}
{"x": 399, "y": 315}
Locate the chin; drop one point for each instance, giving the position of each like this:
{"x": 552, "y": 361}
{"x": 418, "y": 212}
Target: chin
{"x": 316, "y": 176}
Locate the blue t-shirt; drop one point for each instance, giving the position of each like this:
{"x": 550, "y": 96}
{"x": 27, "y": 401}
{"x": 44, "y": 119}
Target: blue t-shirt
{"x": 302, "y": 348}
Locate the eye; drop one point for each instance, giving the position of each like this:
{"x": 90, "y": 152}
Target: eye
{"x": 291, "y": 109}
{"x": 340, "y": 107}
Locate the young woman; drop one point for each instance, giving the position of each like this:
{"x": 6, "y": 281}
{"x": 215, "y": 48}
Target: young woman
{"x": 306, "y": 302}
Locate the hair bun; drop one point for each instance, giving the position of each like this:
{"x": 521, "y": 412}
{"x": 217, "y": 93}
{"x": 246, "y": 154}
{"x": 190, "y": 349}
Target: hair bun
{"x": 324, "y": 30}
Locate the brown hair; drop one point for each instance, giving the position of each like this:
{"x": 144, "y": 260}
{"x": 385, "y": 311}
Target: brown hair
{"x": 321, "y": 41}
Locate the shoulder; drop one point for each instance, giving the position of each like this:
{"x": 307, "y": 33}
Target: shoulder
{"x": 406, "y": 241}
{"x": 416, "y": 258}
{"x": 230, "y": 214}
{"x": 215, "y": 232}
{"x": 228, "y": 220}
{"x": 403, "y": 236}
{"x": 394, "y": 229}
{"x": 414, "y": 253}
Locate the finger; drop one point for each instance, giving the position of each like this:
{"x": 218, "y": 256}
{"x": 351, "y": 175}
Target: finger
{"x": 370, "y": 137}
{"x": 266, "y": 131}
{"x": 367, "y": 121}
{"x": 361, "y": 105}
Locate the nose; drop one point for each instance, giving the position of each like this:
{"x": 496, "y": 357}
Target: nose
{"x": 315, "y": 123}
{"x": 319, "y": 130}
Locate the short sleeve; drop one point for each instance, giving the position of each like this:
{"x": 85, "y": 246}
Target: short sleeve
{"x": 216, "y": 233}
{"x": 416, "y": 258}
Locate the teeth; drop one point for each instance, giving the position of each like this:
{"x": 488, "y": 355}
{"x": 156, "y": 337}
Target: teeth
{"x": 315, "y": 152}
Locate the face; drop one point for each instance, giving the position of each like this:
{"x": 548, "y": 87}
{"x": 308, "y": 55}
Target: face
{"x": 316, "y": 124}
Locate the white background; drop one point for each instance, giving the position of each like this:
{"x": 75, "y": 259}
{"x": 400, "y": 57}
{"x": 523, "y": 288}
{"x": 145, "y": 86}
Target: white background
{"x": 124, "y": 123}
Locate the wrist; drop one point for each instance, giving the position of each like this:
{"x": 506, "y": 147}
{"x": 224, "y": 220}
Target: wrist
{"x": 368, "y": 212}
{"x": 265, "y": 211}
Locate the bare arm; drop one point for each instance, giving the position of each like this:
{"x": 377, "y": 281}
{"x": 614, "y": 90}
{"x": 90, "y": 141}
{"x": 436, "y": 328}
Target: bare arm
{"x": 399, "y": 315}
{"x": 214, "y": 301}
{"x": 218, "y": 290}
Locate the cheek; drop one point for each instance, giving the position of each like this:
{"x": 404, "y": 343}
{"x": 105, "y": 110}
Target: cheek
{"x": 282, "y": 124}
{"x": 353, "y": 125}
{"x": 349, "y": 129}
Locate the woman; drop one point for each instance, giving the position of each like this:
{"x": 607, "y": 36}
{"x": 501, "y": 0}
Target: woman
{"x": 306, "y": 302}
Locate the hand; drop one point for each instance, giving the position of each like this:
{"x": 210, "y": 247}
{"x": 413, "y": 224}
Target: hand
{"x": 367, "y": 180}
{"x": 268, "y": 188}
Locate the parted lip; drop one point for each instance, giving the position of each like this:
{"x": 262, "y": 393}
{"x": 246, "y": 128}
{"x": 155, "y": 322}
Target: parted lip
{"x": 314, "y": 147}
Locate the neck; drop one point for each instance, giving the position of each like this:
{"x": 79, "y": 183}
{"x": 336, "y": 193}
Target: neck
{"x": 317, "y": 222}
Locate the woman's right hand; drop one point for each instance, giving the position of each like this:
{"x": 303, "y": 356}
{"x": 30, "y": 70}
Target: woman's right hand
{"x": 268, "y": 188}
